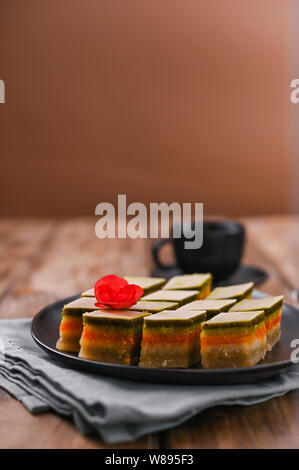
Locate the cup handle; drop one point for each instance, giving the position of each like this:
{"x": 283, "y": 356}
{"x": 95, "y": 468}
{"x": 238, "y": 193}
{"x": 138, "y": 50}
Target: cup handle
{"x": 155, "y": 252}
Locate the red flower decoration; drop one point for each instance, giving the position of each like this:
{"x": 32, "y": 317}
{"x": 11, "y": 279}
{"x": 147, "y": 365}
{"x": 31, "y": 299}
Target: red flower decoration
{"x": 115, "y": 292}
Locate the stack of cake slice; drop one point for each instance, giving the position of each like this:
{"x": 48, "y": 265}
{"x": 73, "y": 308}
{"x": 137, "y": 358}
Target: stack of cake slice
{"x": 237, "y": 291}
{"x": 211, "y": 307}
{"x": 272, "y": 306}
{"x": 112, "y": 336}
{"x": 181, "y": 297}
{"x": 71, "y": 324}
{"x": 171, "y": 339}
{"x": 233, "y": 339}
{"x": 153, "y": 306}
{"x": 200, "y": 282}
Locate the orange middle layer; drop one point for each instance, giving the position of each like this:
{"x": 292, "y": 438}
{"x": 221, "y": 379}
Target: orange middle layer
{"x": 70, "y": 326}
{"x": 156, "y": 338}
{"x": 104, "y": 336}
{"x": 231, "y": 339}
{"x": 273, "y": 322}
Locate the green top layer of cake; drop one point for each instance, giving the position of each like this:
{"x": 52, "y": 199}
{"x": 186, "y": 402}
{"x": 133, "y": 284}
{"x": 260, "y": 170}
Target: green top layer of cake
{"x": 236, "y": 291}
{"x": 79, "y": 306}
{"x": 111, "y": 318}
{"x": 188, "y": 281}
{"x": 179, "y": 296}
{"x": 175, "y": 318}
{"x": 234, "y": 319}
{"x": 268, "y": 304}
{"x": 146, "y": 283}
{"x": 153, "y": 307}
{"x": 212, "y": 306}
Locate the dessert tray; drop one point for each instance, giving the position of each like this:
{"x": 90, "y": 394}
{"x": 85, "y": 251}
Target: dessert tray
{"x": 45, "y": 331}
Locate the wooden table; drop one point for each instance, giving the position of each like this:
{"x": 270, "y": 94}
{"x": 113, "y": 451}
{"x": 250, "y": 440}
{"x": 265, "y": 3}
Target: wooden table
{"x": 44, "y": 260}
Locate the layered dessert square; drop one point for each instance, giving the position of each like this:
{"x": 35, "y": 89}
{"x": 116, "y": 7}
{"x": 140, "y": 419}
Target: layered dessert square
{"x": 200, "y": 282}
{"x": 148, "y": 284}
{"x": 237, "y": 291}
{"x": 179, "y": 296}
{"x": 112, "y": 336}
{"x": 153, "y": 307}
{"x": 171, "y": 339}
{"x": 272, "y": 307}
{"x": 211, "y": 307}
{"x": 71, "y": 324}
{"x": 233, "y": 339}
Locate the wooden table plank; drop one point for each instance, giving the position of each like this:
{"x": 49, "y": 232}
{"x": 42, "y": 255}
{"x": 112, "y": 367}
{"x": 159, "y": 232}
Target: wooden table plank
{"x": 73, "y": 259}
{"x": 268, "y": 425}
{"x": 21, "y": 430}
{"x": 20, "y": 242}
{"x": 278, "y": 238}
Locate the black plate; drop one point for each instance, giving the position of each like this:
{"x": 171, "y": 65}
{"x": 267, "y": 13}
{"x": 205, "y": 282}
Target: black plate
{"x": 45, "y": 330}
{"x": 244, "y": 273}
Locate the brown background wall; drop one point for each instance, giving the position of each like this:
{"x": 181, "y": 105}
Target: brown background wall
{"x": 160, "y": 100}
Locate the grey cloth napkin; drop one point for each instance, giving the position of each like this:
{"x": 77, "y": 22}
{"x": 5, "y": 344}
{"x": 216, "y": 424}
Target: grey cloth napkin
{"x": 117, "y": 410}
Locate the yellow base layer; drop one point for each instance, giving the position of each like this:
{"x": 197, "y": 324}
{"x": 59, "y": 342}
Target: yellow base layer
{"x": 68, "y": 345}
{"x": 169, "y": 355}
{"x": 233, "y": 355}
{"x": 273, "y": 337}
{"x": 114, "y": 355}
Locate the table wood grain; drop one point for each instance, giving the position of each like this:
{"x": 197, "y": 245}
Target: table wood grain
{"x": 45, "y": 260}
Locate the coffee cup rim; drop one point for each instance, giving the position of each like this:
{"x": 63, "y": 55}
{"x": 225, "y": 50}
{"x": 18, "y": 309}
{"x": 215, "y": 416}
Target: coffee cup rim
{"x": 220, "y": 227}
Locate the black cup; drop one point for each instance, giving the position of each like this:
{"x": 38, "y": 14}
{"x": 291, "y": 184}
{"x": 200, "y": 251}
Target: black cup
{"x": 220, "y": 253}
